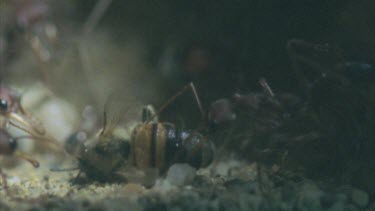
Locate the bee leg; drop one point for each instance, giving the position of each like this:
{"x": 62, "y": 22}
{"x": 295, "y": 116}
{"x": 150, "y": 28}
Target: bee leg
{"x": 23, "y": 156}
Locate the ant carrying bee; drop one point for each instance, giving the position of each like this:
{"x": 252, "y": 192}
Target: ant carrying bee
{"x": 151, "y": 144}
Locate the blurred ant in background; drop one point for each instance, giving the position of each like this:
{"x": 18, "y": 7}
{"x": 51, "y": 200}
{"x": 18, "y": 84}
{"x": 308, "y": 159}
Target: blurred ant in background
{"x": 245, "y": 119}
{"x": 339, "y": 97}
{"x": 30, "y": 20}
{"x": 223, "y": 111}
{"x": 341, "y": 93}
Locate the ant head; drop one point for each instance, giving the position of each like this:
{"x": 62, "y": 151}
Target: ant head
{"x": 9, "y": 100}
{"x": 3, "y": 105}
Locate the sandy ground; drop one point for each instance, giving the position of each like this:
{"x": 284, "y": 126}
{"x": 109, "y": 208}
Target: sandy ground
{"x": 241, "y": 189}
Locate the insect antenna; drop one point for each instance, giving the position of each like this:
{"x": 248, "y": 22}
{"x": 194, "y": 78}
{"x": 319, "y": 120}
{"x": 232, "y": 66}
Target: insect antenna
{"x": 190, "y": 86}
{"x": 24, "y": 126}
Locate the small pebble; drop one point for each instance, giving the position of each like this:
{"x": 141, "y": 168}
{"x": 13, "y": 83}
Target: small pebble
{"x": 132, "y": 188}
{"x": 223, "y": 168}
{"x": 13, "y": 181}
{"x": 180, "y": 174}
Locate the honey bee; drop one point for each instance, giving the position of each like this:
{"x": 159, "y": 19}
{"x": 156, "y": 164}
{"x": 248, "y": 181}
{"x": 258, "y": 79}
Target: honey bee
{"x": 151, "y": 144}
{"x": 103, "y": 154}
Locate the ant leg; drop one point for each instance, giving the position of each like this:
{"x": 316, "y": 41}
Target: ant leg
{"x": 34, "y": 122}
{"x": 34, "y": 135}
{"x": 197, "y": 100}
{"x": 266, "y": 88}
{"x": 43, "y": 57}
{"x": 27, "y": 126}
{"x": 179, "y": 93}
{"x": 76, "y": 178}
{"x": 23, "y": 156}
{"x": 64, "y": 169}
{"x": 4, "y": 180}
{"x": 298, "y": 58}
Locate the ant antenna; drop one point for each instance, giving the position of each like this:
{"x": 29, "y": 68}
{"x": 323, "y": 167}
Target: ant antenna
{"x": 45, "y": 138}
{"x": 179, "y": 93}
{"x": 298, "y": 58}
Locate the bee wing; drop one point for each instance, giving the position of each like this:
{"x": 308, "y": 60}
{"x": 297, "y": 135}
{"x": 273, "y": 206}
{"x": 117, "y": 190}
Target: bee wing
{"x": 119, "y": 108}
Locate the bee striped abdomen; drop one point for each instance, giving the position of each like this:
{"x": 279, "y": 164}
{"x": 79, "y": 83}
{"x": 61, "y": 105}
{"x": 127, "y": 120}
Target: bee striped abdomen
{"x": 148, "y": 144}
{"x": 154, "y": 139}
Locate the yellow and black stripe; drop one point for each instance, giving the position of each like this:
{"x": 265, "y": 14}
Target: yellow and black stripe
{"x": 149, "y": 146}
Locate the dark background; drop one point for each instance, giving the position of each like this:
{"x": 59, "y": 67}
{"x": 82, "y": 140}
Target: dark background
{"x": 241, "y": 40}
{"x": 247, "y": 39}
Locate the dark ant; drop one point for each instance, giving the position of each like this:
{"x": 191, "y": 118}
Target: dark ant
{"x": 29, "y": 22}
{"x": 339, "y": 101}
{"x": 339, "y": 94}
{"x": 223, "y": 111}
